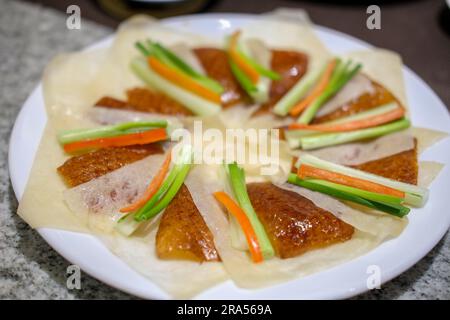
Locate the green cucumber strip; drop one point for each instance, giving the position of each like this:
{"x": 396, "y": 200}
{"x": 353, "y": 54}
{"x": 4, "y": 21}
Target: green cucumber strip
{"x": 329, "y": 139}
{"x": 297, "y": 92}
{"x": 394, "y": 209}
{"x": 69, "y": 136}
{"x": 182, "y": 66}
{"x": 237, "y": 180}
{"x": 196, "y": 104}
{"x": 414, "y": 195}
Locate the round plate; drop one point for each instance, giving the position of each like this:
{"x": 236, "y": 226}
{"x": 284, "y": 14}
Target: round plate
{"x": 426, "y": 227}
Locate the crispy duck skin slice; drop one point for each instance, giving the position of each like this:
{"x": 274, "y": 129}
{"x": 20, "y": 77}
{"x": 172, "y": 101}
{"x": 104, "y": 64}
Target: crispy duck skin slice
{"x": 85, "y": 167}
{"x": 367, "y": 101}
{"x": 294, "y": 224}
{"x": 183, "y": 234}
{"x": 402, "y": 166}
{"x": 291, "y": 66}
{"x": 215, "y": 63}
{"x": 145, "y": 100}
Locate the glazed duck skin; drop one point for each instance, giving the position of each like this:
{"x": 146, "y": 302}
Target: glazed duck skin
{"x": 183, "y": 234}
{"x": 291, "y": 66}
{"x": 145, "y": 100}
{"x": 85, "y": 167}
{"x": 294, "y": 224}
{"x": 215, "y": 63}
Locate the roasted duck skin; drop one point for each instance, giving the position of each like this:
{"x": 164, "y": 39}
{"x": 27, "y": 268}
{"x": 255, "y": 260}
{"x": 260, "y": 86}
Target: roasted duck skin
{"x": 183, "y": 234}
{"x": 85, "y": 167}
{"x": 294, "y": 224}
{"x": 145, "y": 100}
{"x": 215, "y": 63}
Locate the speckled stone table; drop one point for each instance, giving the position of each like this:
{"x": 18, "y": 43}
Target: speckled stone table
{"x": 29, "y": 269}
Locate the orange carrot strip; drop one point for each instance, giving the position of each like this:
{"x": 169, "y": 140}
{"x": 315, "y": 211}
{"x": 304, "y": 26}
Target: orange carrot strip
{"x": 244, "y": 222}
{"x": 145, "y": 137}
{"x": 154, "y": 185}
{"x": 353, "y": 125}
{"x": 316, "y": 91}
{"x": 251, "y": 72}
{"x": 306, "y": 171}
{"x": 182, "y": 80}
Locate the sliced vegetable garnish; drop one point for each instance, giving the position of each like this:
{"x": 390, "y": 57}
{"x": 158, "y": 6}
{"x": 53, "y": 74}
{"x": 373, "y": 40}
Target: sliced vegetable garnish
{"x": 183, "y": 80}
{"x": 109, "y": 131}
{"x": 169, "y": 58}
{"x": 144, "y": 137}
{"x": 329, "y": 139}
{"x": 369, "y": 122}
{"x": 414, "y": 195}
{"x": 342, "y": 73}
{"x": 238, "y": 59}
{"x": 169, "y": 188}
{"x": 272, "y": 75}
{"x": 242, "y": 78}
{"x": 297, "y": 92}
{"x": 153, "y": 187}
{"x": 306, "y": 171}
{"x": 351, "y": 194}
{"x": 195, "y": 103}
{"x": 316, "y": 91}
{"x": 244, "y": 222}
{"x": 170, "y": 194}
{"x": 237, "y": 181}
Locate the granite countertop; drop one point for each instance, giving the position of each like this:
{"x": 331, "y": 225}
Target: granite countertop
{"x": 29, "y": 268}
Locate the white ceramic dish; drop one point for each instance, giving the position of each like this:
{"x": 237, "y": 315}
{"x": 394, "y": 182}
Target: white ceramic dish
{"x": 426, "y": 227}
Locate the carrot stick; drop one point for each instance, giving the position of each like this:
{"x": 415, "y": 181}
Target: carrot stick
{"x": 248, "y": 69}
{"x": 244, "y": 222}
{"x": 306, "y": 171}
{"x": 145, "y": 137}
{"x": 353, "y": 125}
{"x": 318, "y": 89}
{"x": 154, "y": 185}
{"x": 182, "y": 80}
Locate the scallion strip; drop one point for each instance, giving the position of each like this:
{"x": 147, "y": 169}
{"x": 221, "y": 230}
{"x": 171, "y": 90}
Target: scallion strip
{"x": 394, "y": 209}
{"x": 237, "y": 181}
{"x": 329, "y": 139}
{"x": 242, "y": 78}
{"x": 272, "y": 75}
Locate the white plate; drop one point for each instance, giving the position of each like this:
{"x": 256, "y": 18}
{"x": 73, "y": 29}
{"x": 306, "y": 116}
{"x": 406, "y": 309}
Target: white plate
{"x": 426, "y": 227}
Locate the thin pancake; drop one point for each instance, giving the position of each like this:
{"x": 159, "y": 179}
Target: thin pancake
{"x": 183, "y": 234}
{"x": 144, "y": 100}
{"x": 215, "y": 63}
{"x": 294, "y": 224}
{"x": 291, "y": 66}
{"x": 85, "y": 167}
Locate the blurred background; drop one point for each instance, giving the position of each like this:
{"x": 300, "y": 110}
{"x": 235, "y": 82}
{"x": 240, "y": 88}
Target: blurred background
{"x": 417, "y": 29}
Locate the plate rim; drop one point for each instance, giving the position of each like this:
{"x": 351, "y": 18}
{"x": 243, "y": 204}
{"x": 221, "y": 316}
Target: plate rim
{"x": 46, "y": 233}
